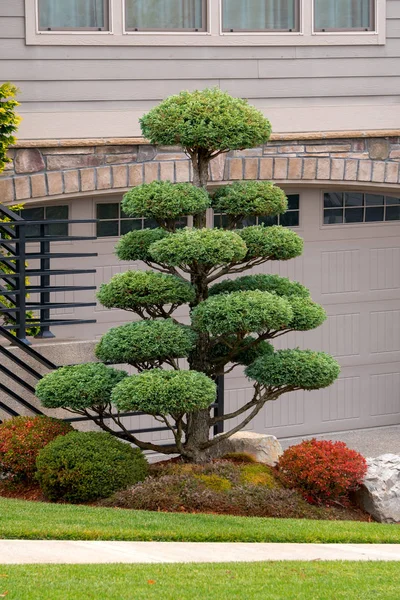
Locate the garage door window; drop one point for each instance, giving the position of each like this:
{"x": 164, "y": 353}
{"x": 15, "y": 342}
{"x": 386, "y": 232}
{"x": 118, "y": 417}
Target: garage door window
{"x": 40, "y": 213}
{"x": 291, "y": 218}
{"x": 113, "y": 222}
{"x": 359, "y": 207}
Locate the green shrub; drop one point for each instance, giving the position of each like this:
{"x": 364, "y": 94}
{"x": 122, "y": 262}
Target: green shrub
{"x": 145, "y": 341}
{"x": 250, "y": 198}
{"x": 258, "y": 474}
{"x": 306, "y": 314}
{"x": 163, "y": 200}
{"x": 9, "y": 120}
{"x": 85, "y": 466}
{"x": 21, "y": 439}
{"x": 159, "y": 392}
{"x": 264, "y": 283}
{"x": 78, "y": 386}
{"x": 298, "y": 369}
{"x": 215, "y": 483}
{"x": 272, "y": 243}
{"x": 242, "y": 312}
{"x": 136, "y": 290}
{"x": 208, "y": 247}
{"x": 209, "y": 119}
{"x": 135, "y": 245}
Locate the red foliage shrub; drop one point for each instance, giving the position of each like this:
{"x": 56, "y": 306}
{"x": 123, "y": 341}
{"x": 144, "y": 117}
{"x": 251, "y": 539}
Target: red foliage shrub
{"x": 21, "y": 439}
{"x": 322, "y": 470}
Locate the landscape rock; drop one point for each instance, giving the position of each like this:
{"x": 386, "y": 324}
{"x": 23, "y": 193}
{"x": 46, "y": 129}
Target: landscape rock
{"x": 263, "y": 448}
{"x": 380, "y": 492}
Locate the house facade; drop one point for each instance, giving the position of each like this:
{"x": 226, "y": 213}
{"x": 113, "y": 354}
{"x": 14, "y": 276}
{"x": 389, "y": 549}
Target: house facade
{"x": 327, "y": 75}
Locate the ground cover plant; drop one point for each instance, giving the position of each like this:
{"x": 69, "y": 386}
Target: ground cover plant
{"x": 275, "y": 581}
{"x": 40, "y": 520}
{"x": 232, "y": 323}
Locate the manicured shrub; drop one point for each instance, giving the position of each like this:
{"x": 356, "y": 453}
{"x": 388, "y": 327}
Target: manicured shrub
{"x": 159, "y": 392}
{"x": 264, "y": 283}
{"x": 272, "y": 243}
{"x": 247, "y": 352}
{"x": 208, "y": 247}
{"x": 79, "y": 386}
{"x": 138, "y": 290}
{"x": 21, "y": 439}
{"x": 306, "y": 314}
{"x": 244, "y": 312}
{"x": 295, "y": 369}
{"x": 250, "y": 198}
{"x": 165, "y": 201}
{"x": 146, "y": 341}
{"x": 322, "y": 470}
{"x": 209, "y": 119}
{"x": 135, "y": 244}
{"x": 84, "y": 466}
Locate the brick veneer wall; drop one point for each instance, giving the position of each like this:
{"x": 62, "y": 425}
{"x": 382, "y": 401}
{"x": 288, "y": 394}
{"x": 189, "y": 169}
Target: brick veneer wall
{"x": 54, "y": 171}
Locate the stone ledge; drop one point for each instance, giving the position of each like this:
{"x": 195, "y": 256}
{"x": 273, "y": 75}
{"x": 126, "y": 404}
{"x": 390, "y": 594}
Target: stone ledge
{"x": 129, "y": 141}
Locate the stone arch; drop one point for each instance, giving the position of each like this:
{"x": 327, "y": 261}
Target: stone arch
{"x": 51, "y": 170}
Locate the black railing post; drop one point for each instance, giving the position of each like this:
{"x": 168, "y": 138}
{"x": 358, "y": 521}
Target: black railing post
{"x": 20, "y": 288}
{"x": 44, "y": 284}
{"x": 220, "y": 407}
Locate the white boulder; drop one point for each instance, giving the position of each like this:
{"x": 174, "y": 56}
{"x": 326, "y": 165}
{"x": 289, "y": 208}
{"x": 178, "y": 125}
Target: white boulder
{"x": 380, "y": 492}
{"x": 263, "y": 448}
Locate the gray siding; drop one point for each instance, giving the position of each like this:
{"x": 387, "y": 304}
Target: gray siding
{"x": 68, "y": 82}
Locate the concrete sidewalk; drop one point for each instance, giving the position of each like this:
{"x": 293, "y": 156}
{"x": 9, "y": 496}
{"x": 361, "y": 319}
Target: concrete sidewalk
{"x": 68, "y": 552}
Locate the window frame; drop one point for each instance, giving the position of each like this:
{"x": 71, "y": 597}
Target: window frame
{"x": 204, "y": 29}
{"x": 29, "y": 206}
{"x": 364, "y": 208}
{"x": 373, "y": 11}
{"x": 296, "y": 29}
{"x": 213, "y": 36}
{"x": 106, "y": 28}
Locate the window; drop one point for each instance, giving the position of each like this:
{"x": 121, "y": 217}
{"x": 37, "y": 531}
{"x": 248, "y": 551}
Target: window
{"x": 260, "y": 15}
{"x": 344, "y": 15}
{"x": 291, "y": 218}
{"x": 359, "y": 207}
{"x": 165, "y": 15}
{"x": 73, "y": 14}
{"x": 205, "y": 23}
{"x": 41, "y": 213}
{"x": 113, "y": 222}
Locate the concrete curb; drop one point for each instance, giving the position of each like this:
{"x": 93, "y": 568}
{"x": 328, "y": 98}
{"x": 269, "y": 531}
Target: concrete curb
{"x": 84, "y": 552}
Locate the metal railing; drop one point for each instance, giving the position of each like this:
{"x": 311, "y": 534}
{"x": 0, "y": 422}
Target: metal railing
{"x": 14, "y": 273}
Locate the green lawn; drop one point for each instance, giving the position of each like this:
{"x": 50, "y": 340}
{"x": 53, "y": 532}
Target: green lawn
{"x": 35, "y": 520}
{"x": 261, "y": 581}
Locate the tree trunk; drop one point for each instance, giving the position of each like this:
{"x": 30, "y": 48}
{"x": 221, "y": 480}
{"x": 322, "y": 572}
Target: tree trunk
{"x": 200, "y": 164}
{"x": 198, "y": 433}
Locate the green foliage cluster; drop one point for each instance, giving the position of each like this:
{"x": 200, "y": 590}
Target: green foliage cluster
{"x": 306, "y": 314}
{"x": 302, "y": 369}
{"x": 265, "y": 283}
{"x": 79, "y": 386}
{"x": 163, "y": 200}
{"x": 159, "y": 392}
{"x": 136, "y": 290}
{"x": 250, "y": 198}
{"x": 21, "y": 439}
{"x": 9, "y": 120}
{"x": 244, "y": 312}
{"x": 85, "y": 466}
{"x": 146, "y": 341}
{"x": 135, "y": 244}
{"x": 209, "y": 119}
{"x": 209, "y": 247}
{"x": 272, "y": 243}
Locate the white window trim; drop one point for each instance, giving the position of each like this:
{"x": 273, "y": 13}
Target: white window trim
{"x": 214, "y": 36}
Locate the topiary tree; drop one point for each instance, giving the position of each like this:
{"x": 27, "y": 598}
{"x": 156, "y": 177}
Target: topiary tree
{"x": 233, "y": 322}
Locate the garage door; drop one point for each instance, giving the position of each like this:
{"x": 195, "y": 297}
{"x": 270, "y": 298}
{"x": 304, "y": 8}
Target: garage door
{"x": 351, "y": 264}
